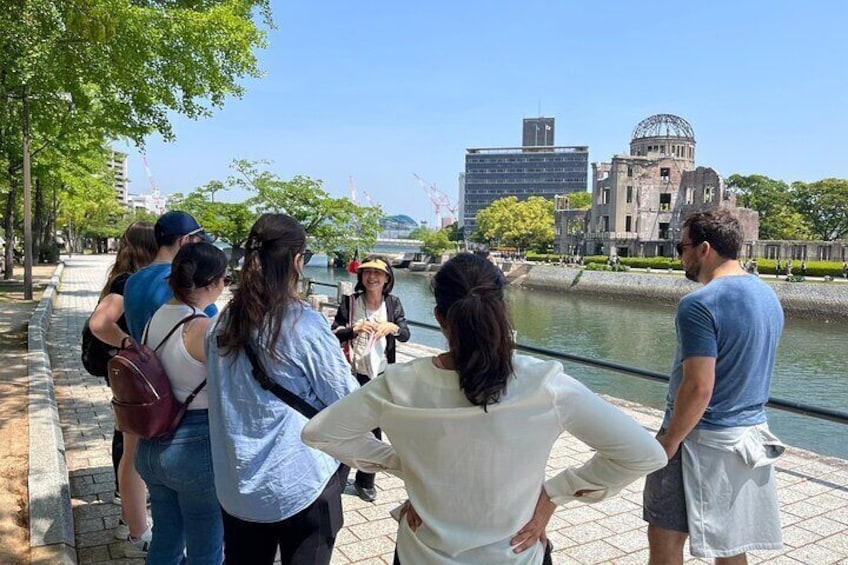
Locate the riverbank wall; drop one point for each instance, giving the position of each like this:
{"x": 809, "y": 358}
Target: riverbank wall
{"x": 807, "y": 300}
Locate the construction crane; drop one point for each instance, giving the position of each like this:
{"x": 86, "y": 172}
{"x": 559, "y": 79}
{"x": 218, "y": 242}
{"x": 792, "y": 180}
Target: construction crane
{"x": 439, "y": 199}
{"x": 367, "y": 197}
{"x": 155, "y": 198}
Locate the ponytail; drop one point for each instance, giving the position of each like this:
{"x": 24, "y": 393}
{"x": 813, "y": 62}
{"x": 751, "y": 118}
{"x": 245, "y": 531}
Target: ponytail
{"x": 470, "y": 298}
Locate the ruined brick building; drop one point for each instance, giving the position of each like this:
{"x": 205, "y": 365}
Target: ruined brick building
{"x": 640, "y": 200}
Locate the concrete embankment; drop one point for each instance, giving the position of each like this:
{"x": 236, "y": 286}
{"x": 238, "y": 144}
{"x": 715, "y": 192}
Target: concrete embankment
{"x": 813, "y": 300}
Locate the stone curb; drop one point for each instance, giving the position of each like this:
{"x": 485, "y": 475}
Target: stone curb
{"x": 51, "y": 521}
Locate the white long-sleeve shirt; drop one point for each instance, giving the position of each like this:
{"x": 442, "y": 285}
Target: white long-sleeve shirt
{"x": 474, "y": 477}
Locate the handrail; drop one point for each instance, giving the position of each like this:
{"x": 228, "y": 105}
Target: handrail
{"x": 830, "y": 414}
{"x": 833, "y": 415}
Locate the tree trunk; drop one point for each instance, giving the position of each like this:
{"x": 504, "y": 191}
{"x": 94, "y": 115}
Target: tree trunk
{"x": 38, "y": 221}
{"x": 9, "y": 225}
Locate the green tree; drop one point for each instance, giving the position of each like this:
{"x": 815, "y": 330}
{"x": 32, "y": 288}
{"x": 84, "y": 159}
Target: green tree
{"x": 436, "y": 242}
{"x": 420, "y": 232}
{"x": 455, "y": 233}
{"x": 772, "y": 199}
{"x": 579, "y": 200}
{"x": 526, "y": 225}
{"x": 126, "y": 65}
{"x": 335, "y": 224}
{"x": 824, "y": 206}
{"x": 230, "y": 221}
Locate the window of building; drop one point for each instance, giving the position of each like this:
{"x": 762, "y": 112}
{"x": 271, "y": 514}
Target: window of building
{"x": 605, "y": 220}
{"x": 605, "y": 196}
{"x": 629, "y": 194}
{"x": 665, "y": 202}
{"x": 665, "y": 174}
{"x": 709, "y": 194}
{"x": 690, "y": 195}
{"x": 663, "y": 231}
{"x": 628, "y": 223}
{"x": 629, "y": 172}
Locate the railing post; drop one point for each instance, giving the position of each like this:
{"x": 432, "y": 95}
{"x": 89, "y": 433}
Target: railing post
{"x": 345, "y": 288}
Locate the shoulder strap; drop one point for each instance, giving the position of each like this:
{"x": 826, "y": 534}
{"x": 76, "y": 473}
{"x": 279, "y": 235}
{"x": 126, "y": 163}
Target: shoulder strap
{"x": 188, "y": 318}
{"x": 279, "y": 391}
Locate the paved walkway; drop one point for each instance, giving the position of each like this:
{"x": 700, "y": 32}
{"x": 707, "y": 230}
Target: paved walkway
{"x": 813, "y": 489}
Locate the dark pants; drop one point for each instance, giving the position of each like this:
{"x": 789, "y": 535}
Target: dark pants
{"x": 306, "y": 538}
{"x": 117, "y": 453}
{"x": 546, "y": 560}
{"x": 366, "y": 480}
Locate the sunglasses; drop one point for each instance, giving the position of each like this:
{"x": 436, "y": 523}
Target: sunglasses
{"x": 307, "y": 256}
{"x": 681, "y": 246}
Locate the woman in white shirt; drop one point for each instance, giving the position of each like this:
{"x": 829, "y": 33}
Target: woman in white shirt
{"x": 178, "y": 470}
{"x": 472, "y": 430}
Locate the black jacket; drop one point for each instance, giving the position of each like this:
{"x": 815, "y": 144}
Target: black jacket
{"x": 394, "y": 312}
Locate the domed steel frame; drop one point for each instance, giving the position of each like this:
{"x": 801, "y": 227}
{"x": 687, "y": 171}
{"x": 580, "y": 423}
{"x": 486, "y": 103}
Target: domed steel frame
{"x": 663, "y": 125}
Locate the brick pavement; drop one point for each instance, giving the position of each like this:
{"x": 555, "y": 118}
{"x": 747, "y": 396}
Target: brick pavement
{"x": 813, "y": 489}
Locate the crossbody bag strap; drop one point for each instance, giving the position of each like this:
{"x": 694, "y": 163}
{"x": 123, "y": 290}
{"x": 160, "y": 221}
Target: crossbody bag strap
{"x": 278, "y": 390}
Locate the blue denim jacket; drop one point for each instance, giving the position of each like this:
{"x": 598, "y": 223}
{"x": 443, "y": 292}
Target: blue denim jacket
{"x": 263, "y": 471}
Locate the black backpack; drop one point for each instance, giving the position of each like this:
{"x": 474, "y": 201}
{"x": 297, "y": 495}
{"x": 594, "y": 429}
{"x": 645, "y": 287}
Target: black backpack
{"x": 95, "y": 353}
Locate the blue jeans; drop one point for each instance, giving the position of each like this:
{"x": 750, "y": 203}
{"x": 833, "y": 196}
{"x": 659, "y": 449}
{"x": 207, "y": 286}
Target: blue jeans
{"x": 185, "y": 509}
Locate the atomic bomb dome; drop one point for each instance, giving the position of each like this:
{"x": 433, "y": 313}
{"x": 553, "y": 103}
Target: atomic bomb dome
{"x": 664, "y": 135}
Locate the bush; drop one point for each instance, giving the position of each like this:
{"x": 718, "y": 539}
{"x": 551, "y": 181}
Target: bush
{"x": 598, "y": 267}
{"x": 814, "y": 268}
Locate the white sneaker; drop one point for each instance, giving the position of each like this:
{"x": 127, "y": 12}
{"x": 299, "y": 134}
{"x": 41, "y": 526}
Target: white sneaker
{"x": 138, "y": 547}
{"x": 122, "y": 530}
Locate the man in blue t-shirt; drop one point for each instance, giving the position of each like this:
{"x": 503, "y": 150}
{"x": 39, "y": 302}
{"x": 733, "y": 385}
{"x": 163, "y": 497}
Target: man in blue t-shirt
{"x": 148, "y": 289}
{"x": 718, "y": 482}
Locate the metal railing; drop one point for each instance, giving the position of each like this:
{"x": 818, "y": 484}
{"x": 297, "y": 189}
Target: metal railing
{"x": 821, "y": 413}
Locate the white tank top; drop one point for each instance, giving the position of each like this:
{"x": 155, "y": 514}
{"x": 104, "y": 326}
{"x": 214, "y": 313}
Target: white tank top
{"x": 184, "y": 371}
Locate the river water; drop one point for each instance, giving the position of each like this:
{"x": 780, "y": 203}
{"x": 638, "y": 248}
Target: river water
{"x": 810, "y": 368}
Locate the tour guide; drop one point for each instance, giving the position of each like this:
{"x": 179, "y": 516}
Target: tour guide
{"x": 719, "y": 485}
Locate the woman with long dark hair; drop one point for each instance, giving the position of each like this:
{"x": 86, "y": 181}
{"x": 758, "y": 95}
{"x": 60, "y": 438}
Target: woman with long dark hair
{"x": 136, "y": 249}
{"x": 472, "y": 430}
{"x": 371, "y": 321}
{"x": 178, "y": 469}
{"x": 275, "y": 491}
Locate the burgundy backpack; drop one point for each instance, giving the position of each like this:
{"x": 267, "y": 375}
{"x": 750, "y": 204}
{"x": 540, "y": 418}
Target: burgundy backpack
{"x": 142, "y": 399}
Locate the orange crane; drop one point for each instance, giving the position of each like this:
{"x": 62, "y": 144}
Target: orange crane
{"x": 439, "y": 199}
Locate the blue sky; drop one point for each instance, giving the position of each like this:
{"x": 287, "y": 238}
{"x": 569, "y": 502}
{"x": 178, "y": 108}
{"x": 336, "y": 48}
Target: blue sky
{"x": 378, "y": 91}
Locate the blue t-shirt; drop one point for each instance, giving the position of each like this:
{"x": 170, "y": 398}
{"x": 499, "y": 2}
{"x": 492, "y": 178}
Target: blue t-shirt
{"x": 737, "y": 320}
{"x": 144, "y": 292}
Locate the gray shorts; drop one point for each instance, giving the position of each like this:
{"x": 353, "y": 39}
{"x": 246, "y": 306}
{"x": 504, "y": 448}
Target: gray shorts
{"x": 663, "y": 500}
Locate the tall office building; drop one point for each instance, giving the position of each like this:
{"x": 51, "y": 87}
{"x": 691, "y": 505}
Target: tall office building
{"x": 117, "y": 163}
{"x": 537, "y": 169}
{"x": 538, "y": 132}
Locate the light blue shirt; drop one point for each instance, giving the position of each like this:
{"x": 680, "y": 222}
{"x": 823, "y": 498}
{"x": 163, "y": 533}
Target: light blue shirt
{"x": 145, "y": 291}
{"x": 263, "y": 471}
{"x": 738, "y": 321}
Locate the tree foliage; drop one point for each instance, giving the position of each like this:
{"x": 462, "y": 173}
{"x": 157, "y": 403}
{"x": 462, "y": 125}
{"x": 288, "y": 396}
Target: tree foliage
{"x": 334, "y": 225}
{"x": 420, "y": 232}
{"x": 824, "y": 205}
{"x": 579, "y": 200}
{"x": 437, "y": 242}
{"x": 526, "y": 225}
{"x": 773, "y": 200}
{"x": 106, "y": 69}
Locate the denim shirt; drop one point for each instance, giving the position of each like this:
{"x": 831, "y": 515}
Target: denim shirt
{"x": 263, "y": 471}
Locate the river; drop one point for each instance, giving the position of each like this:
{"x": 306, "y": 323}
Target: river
{"x": 641, "y": 334}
